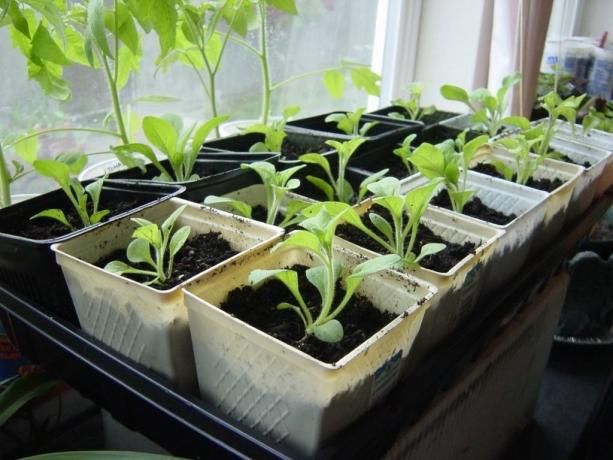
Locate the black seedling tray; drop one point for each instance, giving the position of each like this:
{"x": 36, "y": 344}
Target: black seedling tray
{"x": 427, "y": 120}
{"x": 226, "y": 173}
{"x": 28, "y": 266}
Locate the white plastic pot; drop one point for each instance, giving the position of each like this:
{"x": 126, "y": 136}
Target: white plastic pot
{"x": 590, "y": 180}
{"x": 141, "y": 322}
{"x": 593, "y": 138}
{"x": 287, "y": 395}
{"x": 459, "y": 288}
{"x": 514, "y": 245}
{"x": 100, "y": 169}
{"x": 559, "y": 199}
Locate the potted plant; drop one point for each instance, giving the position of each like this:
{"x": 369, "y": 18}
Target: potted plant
{"x": 131, "y": 298}
{"x": 303, "y": 337}
{"x": 27, "y": 263}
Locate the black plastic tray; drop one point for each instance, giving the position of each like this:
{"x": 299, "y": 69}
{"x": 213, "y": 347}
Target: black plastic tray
{"x": 190, "y": 427}
{"x": 427, "y": 120}
{"x": 28, "y": 266}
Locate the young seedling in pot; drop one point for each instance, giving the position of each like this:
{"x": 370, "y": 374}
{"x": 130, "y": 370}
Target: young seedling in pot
{"x": 488, "y": 109}
{"x": 180, "y": 146}
{"x": 601, "y": 120}
{"x": 338, "y": 187}
{"x": 276, "y": 184}
{"x": 154, "y": 246}
{"x": 63, "y": 171}
{"x": 274, "y": 132}
{"x": 449, "y": 161}
{"x": 317, "y": 239}
{"x": 412, "y": 105}
{"x": 349, "y": 122}
{"x": 524, "y": 163}
{"x": 405, "y": 151}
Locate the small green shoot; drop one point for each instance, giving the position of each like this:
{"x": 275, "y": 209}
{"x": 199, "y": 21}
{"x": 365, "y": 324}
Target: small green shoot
{"x": 277, "y": 184}
{"x": 525, "y": 164}
{"x": 179, "y": 146}
{"x": 449, "y": 161}
{"x": 596, "y": 119}
{"x": 488, "y": 109}
{"x": 412, "y": 105}
{"x": 63, "y": 171}
{"x": 349, "y": 122}
{"x": 318, "y": 239}
{"x": 338, "y": 187}
{"x": 274, "y": 132}
{"x": 155, "y": 246}
{"x": 405, "y": 151}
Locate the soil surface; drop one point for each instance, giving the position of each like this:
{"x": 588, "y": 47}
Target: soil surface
{"x": 360, "y": 319}
{"x": 43, "y": 228}
{"x": 567, "y": 159}
{"x": 198, "y": 254}
{"x": 545, "y": 185}
{"x": 291, "y": 151}
{"x": 475, "y": 208}
{"x": 440, "y": 262}
{"x": 437, "y": 134}
{"x": 387, "y": 160}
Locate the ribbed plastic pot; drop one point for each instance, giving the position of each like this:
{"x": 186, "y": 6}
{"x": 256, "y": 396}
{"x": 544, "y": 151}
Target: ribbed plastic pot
{"x": 593, "y": 138}
{"x": 459, "y": 288}
{"x": 463, "y": 121}
{"x": 427, "y": 120}
{"x": 28, "y": 266}
{"x": 280, "y": 391}
{"x": 143, "y": 323}
{"x": 226, "y": 173}
{"x": 515, "y": 244}
{"x": 590, "y": 179}
{"x": 558, "y": 202}
{"x": 243, "y": 142}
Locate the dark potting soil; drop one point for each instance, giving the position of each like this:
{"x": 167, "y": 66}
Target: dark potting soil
{"x": 198, "y": 254}
{"x": 440, "y": 262}
{"x": 360, "y": 319}
{"x": 43, "y": 228}
{"x": 474, "y": 208}
{"x": 259, "y": 213}
{"x": 546, "y": 185}
{"x": 206, "y": 169}
{"x": 567, "y": 159}
{"x": 438, "y": 134}
{"x": 291, "y": 151}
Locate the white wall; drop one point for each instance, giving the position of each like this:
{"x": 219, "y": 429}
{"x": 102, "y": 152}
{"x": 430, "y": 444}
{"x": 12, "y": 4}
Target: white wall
{"x": 596, "y": 17}
{"x": 447, "y": 47}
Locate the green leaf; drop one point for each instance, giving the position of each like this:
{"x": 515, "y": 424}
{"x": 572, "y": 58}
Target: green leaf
{"x": 382, "y": 225}
{"x": 75, "y": 161}
{"x": 471, "y": 147}
{"x": 302, "y": 239}
{"x": 23, "y": 390}
{"x": 460, "y": 198}
{"x": 178, "y": 240}
{"x": 169, "y": 223}
{"x": 520, "y": 122}
{"x": 56, "y": 214}
{"x": 163, "y": 16}
{"x": 366, "y": 80}
{"x": 388, "y": 186}
{"x": 367, "y": 127}
{"x": 322, "y": 185}
{"x": 95, "y": 31}
{"x": 150, "y": 233}
{"x": 429, "y": 160}
{"x": 162, "y": 134}
{"x": 288, "y": 277}
{"x": 238, "y": 14}
{"x": 317, "y": 277}
{"x": 334, "y": 81}
{"x": 287, "y": 6}
{"x": 239, "y": 206}
{"x": 429, "y": 249}
{"x": 454, "y": 93}
{"x": 127, "y": 63}
{"x": 330, "y": 332}
{"x": 56, "y": 170}
{"x": 117, "y": 267}
{"x": 511, "y": 80}
{"x": 364, "y": 185}
{"x": 98, "y": 216}
{"x": 94, "y": 190}
{"x": 203, "y": 131}
{"x": 316, "y": 159}
{"x": 27, "y": 149}
{"x": 17, "y": 18}
{"x": 139, "y": 251}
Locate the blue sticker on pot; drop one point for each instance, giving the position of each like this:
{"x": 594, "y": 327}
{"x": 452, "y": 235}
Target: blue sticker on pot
{"x": 385, "y": 377}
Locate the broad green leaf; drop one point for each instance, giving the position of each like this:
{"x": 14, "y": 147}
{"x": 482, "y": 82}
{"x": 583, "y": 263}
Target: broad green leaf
{"x": 98, "y": 216}
{"x": 213, "y": 49}
{"x": 395, "y": 204}
{"x": 95, "y": 31}
{"x": 203, "y": 131}
{"x": 418, "y": 199}
{"x": 94, "y": 190}
{"x": 126, "y": 28}
{"x": 282, "y": 177}
{"x": 480, "y": 117}
{"x": 479, "y": 95}
{"x": 75, "y": 161}
{"x": 127, "y": 63}
{"x": 117, "y": 267}
{"x": 367, "y": 127}
{"x": 520, "y": 122}
{"x": 429, "y": 249}
{"x": 169, "y": 223}
{"x": 317, "y": 277}
{"x": 366, "y": 80}
{"x": 264, "y": 169}
{"x": 75, "y": 47}
{"x": 49, "y": 76}
{"x": 460, "y": 198}
{"x": 161, "y": 133}
{"x": 429, "y": 161}
{"x": 288, "y": 277}
{"x": 163, "y": 16}
{"x": 238, "y": 14}
{"x": 17, "y": 18}
{"x": 178, "y": 240}
{"x": 287, "y": 6}
{"x": 454, "y": 93}
{"x": 290, "y": 111}
{"x": 27, "y": 149}
{"x": 330, "y": 332}
{"x": 56, "y": 170}
{"x": 363, "y": 188}
{"x": 139, "y": 251}
{"x": 502, "y": 168}
{"x": 23, "y": 390}
{"x": 334, "y": 81}
{"x": 258, "y": 147}
{"x": 374, "y": 265}
{"x": 56, "y": 214}
{"x": 150, "y": 233}
{"x": 317, "y": 159}
{"x": 322, "y": 185}
{"x": 471, "y": 147}
{"x": 239, "y": 206}
{"x": 382, "y": 225}
{"x": 302, "y": 239}
{"x": 388, "y": 186}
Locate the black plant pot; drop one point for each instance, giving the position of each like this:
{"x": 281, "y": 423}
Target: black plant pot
{"x": 219, "y": 172}
{"x": 296, "y": 145}
{"x": 28, "y": 267}
{"x": 427, "y": 120}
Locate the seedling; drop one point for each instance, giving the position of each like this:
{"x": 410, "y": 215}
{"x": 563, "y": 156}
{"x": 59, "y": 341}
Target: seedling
{"x": 405, "y": 151}
{"x": 525, "y": 164}
{"x": 349, "y": 122}
{"x": 274, "y": 132}
{"x": 153, "y": 246}
{"x": 277, "y": 184}
{"x": 488, "y": 110}
{"x": 596, "y": 119}
{"x": 339, "y": 187}
{"x": 181, "y": 147}
{"x": 449, "y": 161}
{"x": 412, "y": 105}
{"x": 63, "y": 171}
{"x": 317, "y": 239}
